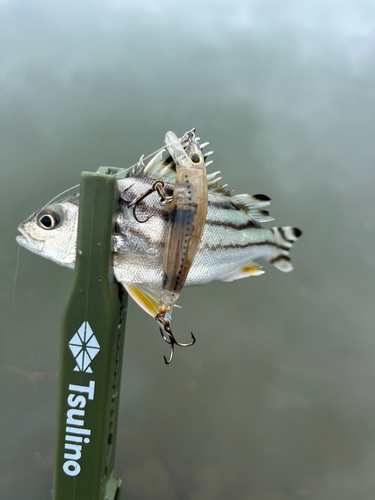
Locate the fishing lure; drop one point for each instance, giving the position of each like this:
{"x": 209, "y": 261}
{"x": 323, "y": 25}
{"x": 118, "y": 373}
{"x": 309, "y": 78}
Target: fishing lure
{"x": 187, "y": 216}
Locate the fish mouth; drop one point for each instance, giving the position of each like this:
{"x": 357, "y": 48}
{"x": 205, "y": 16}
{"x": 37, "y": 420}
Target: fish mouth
{"x": 26, "y": 241}
{"x": 21, "y": 240}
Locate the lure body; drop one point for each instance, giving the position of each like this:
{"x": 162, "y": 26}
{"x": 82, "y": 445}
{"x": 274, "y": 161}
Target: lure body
{"x": 187, "y": 216}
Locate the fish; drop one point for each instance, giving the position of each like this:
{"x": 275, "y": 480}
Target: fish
{"x": 233, "y": 235}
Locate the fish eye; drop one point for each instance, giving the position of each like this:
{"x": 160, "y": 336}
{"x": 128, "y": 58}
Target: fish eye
{"x": 48, "y": 220}
{"x": 195, "y": 159}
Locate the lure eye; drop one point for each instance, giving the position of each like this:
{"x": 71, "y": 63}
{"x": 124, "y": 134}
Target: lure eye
{"x": 195, "y": 159}
{"x": 48, "y": 220}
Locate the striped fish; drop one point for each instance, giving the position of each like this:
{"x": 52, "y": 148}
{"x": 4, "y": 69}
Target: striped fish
{"x": 233, "y": 236}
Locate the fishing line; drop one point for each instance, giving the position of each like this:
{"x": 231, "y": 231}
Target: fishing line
{"x": 76, "y": 186}
{"x": 148, "y": 156}
{"x": 58, "y": 196}
{"x": 18, "y": 325}
{"x": 12, "y": 369}
{"x": 15, "y": 280}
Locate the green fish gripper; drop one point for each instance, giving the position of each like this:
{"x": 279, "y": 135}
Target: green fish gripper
{"x": 91, "y": 352}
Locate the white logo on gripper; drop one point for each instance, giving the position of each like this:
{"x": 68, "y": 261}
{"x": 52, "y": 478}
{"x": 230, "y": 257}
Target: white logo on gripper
{"x": 84, "y": 347}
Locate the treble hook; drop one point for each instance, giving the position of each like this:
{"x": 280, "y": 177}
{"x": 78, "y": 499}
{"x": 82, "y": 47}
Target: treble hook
{"x": 171, "y": 340}
{"x": 188, "y": 136}
{"x": 157, "y": 186}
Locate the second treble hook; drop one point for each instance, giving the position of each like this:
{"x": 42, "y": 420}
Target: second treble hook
{"x": 157, "y": 186}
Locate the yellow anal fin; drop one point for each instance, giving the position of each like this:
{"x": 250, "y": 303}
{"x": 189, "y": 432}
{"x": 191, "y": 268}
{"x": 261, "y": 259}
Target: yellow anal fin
{"x": 149, "y": 299}
{"x": 249, "y": 269}
{"x": 252, "y": 270}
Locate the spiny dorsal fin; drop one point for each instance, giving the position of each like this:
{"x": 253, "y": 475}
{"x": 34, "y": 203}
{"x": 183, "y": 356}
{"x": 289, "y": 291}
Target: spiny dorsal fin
{"x": 154, "y": 163}
{"x": 211, "y": 177}
{"x": 164, "y": 168}
{"x": 213, "y": 184}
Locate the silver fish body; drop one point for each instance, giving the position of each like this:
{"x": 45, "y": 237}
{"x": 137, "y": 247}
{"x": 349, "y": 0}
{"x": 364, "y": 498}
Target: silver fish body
{"x": 232, "y": 238}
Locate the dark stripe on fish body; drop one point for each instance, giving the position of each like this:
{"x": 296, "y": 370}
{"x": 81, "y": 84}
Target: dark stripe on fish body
{"x": 239, "y": 227}
{"x": 141, "y": 235}
{"x": 223, "y": 205}
{"x": 162, "y": 213}
{"x": 250, "y": 224}
{"x": 246, "y": 245}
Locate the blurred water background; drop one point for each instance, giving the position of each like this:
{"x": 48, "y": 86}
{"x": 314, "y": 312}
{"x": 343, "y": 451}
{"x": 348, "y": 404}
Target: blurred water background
{"x": 276, "y": 399}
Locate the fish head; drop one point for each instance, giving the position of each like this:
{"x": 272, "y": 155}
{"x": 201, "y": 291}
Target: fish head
{"x": 52, "y": 232}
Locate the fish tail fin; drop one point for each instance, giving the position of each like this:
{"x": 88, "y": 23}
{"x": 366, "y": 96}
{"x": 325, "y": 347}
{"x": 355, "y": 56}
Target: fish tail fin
{"x": 284, "y": 239}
